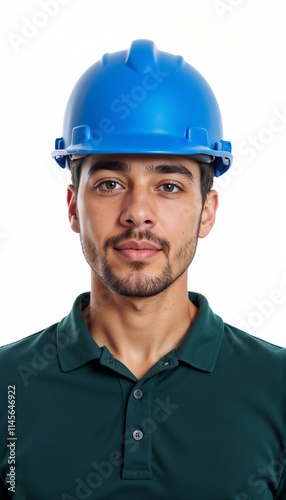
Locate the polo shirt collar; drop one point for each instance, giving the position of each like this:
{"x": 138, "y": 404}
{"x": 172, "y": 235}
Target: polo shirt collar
{"x": 75, "y": 345}
{"x": 199, "y": 349}
{"x": 201, "y": 345}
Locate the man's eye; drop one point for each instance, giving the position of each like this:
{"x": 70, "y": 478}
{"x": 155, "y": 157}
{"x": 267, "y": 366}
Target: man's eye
{"x": 108, "y": 185}
{"x": 170, "y": 187}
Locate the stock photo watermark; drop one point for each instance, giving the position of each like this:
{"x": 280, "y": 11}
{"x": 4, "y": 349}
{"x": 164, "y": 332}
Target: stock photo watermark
{"x": 262, "y": 477}
{"x": 263, "y": 309}
{"x": 30, "y": 26}
{"x": 225, "y": 7}
{"x": 255, "y": 144}
{"x": 121, "y": 107}
{"x": 3, "y": 236}
{"x": 11, "y": 438}
{"x": 41, "y": 359}
{"x": 102, "y": 471}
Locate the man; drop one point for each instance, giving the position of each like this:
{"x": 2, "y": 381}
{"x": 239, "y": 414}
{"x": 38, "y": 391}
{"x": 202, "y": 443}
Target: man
{"x": 142, "y": 391}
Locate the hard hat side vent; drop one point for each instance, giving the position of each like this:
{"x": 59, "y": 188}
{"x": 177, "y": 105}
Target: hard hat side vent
{"x": 197, "y": 135}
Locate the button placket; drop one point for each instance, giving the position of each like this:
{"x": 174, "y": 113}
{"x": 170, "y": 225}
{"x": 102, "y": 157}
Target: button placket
{"x": 138, "y": 437}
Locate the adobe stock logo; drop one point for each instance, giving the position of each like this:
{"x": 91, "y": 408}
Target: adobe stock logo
{"x": 254, "y": 144}
{"x": 224, "y": 7}
{"x": 257, "y": 142}
{"x": 3, "y": 236}
{"x": 86, "y": 487}
{"x": 33, "y": 24}
{"x": 263, "y": 309}
{"x": 121, "y": 107}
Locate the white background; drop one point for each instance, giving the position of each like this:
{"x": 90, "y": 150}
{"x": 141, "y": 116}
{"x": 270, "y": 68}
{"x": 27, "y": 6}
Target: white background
{"x": 239, "y": 46}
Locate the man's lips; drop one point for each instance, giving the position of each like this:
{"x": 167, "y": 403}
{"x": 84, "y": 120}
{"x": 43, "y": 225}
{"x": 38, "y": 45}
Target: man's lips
{"x": 137, "y": 245}
{"x": 137, "y": 250}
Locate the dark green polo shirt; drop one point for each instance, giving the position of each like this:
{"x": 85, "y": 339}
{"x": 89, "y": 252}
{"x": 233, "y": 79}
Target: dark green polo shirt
{"x": 206, "y": 422}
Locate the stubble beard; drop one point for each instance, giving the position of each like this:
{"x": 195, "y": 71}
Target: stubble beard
{"x": 138, "y": 283}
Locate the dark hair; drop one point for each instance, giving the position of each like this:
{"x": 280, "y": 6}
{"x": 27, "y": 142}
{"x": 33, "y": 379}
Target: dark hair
{"x": 207, "y": 171}
{"x": 74, "y": 166}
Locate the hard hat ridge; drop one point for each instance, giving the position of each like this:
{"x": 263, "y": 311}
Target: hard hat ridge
{"x": 142, "y": 56}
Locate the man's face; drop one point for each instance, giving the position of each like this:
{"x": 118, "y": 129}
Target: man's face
{"x": 139, "y": 218}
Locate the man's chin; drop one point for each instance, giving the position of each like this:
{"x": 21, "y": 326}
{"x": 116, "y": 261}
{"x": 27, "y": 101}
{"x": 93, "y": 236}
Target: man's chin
{"x": 137, "y": 284}
{"x": 139, "y": 293}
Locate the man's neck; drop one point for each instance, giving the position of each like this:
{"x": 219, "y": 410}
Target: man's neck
{"x": 139, "y": 331}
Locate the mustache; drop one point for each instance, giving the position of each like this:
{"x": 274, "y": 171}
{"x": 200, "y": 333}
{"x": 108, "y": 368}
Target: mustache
{"x": 133, "y": 234}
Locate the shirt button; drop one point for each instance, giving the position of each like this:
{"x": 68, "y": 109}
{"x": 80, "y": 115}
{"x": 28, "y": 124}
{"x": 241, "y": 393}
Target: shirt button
{"x": 137, "y": 435}
{"x": 137, "y": 394}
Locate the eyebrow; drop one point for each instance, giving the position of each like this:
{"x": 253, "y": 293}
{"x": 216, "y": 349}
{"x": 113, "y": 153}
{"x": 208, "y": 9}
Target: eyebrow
{"x": 116, "y": 166}
{"x": 171, "y": 169}
{"x": 120, "y": 166}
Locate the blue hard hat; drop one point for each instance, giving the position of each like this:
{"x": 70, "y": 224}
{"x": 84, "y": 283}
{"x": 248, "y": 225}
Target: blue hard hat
{"x": 143, "y": 101}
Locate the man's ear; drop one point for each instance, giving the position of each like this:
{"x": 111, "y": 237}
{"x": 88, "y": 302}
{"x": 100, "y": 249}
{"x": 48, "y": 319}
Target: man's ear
{"x": 72, "y": 211}
{"x": 208, "y": 213}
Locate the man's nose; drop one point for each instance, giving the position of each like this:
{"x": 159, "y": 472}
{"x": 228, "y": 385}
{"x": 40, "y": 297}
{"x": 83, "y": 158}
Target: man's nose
{"x": 139, "y": 210}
